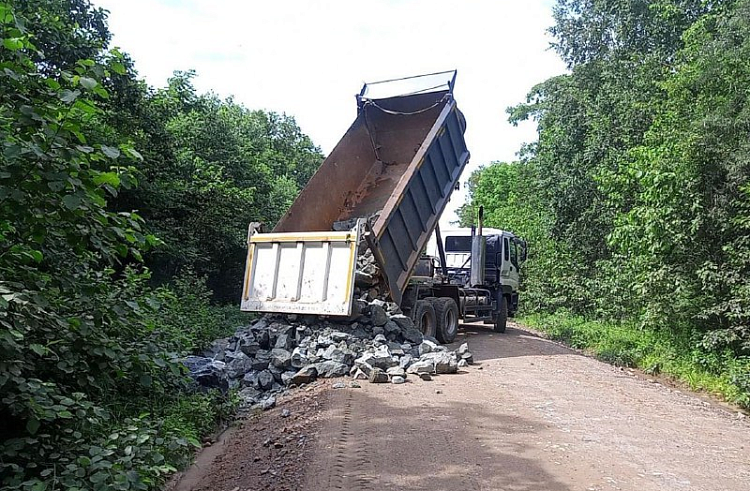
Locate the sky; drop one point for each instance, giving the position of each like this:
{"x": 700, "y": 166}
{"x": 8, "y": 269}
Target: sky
{"x": 309, "y": 58}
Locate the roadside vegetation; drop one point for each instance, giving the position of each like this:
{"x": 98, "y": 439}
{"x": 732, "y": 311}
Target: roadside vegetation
{"x": 636, "y": 199}
{"x": 123, "y": 211}
{"x": 721, "y": 374}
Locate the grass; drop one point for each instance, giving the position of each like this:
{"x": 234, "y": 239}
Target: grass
{"x": 678, "y": 357}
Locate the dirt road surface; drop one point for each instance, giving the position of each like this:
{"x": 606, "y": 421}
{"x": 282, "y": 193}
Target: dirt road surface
{"x": 531, "y": 415}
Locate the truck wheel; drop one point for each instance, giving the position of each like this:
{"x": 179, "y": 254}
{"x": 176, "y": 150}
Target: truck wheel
{"x": 501, "y": 316}
{"x": 424, "y": 318}
{"x": 513, "y": 307}
{"x": 446, "y": 312}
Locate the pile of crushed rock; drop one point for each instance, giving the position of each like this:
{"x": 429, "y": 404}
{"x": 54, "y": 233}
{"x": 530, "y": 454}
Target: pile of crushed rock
{"x": 378, "y": 344}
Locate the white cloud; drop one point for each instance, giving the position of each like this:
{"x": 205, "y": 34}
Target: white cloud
{"x": 308, "y": 59}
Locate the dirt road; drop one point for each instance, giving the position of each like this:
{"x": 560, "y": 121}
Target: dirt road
{"x": 532, "y": 415}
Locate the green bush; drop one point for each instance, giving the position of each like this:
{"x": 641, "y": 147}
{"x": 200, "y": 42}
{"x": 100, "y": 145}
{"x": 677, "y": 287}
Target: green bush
{"x": 92, "y": 393}
{"x": 188, "y": 318}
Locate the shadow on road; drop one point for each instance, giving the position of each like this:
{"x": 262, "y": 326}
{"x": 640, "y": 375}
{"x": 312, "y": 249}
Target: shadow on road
{"x": 485, "y": 344}
{"x": 426, "y": 445}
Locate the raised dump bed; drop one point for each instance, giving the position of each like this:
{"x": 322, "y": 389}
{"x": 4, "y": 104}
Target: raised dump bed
{"x": 393, "y": 169}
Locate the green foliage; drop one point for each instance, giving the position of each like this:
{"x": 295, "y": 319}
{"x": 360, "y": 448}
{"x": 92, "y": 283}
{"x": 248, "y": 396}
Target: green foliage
{"x": 92, "y": 393}
{"x": 636, "y": 198}
{"x": 188, "y": 318}
{"x": 210, "y": 167}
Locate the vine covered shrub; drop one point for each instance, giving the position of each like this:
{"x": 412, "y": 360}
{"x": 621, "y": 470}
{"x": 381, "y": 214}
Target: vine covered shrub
{"x": 88, "y": 381}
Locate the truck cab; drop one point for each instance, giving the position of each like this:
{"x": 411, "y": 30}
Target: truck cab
{"x": 503, "y": 255}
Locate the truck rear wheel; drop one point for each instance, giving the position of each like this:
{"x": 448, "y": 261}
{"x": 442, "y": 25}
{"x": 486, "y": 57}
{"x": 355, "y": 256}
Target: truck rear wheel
{"x": 446, "y": 312}
{"x": 424, "y": 318}
{"x": 501, "y": 316}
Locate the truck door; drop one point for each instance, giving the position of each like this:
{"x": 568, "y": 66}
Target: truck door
{"x": 510, "y": 264}
{"x": 515, "y": 265}
{"x": 505, "y": 261}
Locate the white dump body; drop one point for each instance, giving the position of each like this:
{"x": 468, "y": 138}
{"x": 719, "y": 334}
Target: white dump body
{"x": 301, "y": 273}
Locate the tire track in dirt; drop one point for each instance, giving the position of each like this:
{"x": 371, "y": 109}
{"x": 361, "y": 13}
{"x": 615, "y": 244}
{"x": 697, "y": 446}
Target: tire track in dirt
{"x": 536, "y": 417}
{"x": 346, "y": 465}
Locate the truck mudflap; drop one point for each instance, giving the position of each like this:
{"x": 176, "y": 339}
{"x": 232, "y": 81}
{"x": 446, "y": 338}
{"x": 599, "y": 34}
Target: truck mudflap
{"x": 301, "y": 273}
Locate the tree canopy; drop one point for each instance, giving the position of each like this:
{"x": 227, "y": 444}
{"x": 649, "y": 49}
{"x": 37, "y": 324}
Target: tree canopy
{"x": 635, "y": 197}
{"x": 119, "y": 204}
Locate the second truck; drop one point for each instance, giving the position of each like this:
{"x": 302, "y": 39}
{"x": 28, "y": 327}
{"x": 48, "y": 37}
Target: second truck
{"x": 383, "y": 188}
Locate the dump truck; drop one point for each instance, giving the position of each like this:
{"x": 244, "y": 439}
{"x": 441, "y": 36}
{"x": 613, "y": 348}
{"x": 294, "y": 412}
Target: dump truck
{"x": 383, "y": 188}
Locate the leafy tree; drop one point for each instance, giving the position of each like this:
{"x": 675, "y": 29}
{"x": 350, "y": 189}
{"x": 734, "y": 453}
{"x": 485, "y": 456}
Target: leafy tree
{"x": 620, "y": 54}
{"x": 72, "y": 331}
{"x": 685, "y": 227}
{"x": 210, "y": 167}
{"x": 640, "y": 169}
{"x": 92, "y": 394}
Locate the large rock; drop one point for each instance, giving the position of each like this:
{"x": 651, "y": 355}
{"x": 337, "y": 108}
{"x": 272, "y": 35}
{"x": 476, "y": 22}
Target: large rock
{"x": 262, "y": 337}
{"x": 265, "y": 380}
{"x": 328, "y": 369}
{"x": 261, "y": 361}
{"x": 358, "y": 374}
{"x": 278, "y": 329}
{"x": 443, "y": 361}
{"x": 324, "y": 341}
{"x": 334, "y": 353}
{"x": 364, "y": 279}
{"x": 286, "y": 377}
{"x": 395, "y": 349}
{"x": 338, "y": 336}
{"x": 363, "y": 363}
{"x": 378, "y": 315}
{"x": 427, "y": 346}
{"x": 268, "y": 403}
{"x": 396, "y": 372}
{"x": 391, "y": 327}
{"x": 284, "y": 341}
{"x": 281, "y": 358}
{"x": 305, "y": 375}
{"x": 403, "y": 322}
{"x": 378, "y": 376}
{"x": 382, "y": 358}
{"x": 249, "y": 347}
{"x": 250, "y": 380}
{"x": 421, "y": 366}
{"x": 299, "y": 358}
{"x": 276, "y": 372}
{"x": 412, "y": 335}
{"x": 249, "y": 396}
{"x": 464, "y": 354}
{"x": 239, "y": 365}
{"x": 216, "y": 349}
{"x": 207, "y": 372}
{"x": 300, "y": 333}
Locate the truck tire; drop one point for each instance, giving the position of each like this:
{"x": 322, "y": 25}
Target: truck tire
{"x": 446, "y": 312}
{"x": 512, "y": 307}
{"x": 424, "y": 318}
{"x": 501, "y": 316}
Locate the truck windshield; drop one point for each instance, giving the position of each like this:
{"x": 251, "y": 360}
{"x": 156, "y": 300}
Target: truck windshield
{"x": 458, "y": 244}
